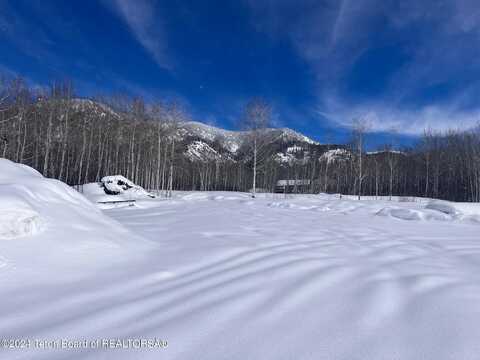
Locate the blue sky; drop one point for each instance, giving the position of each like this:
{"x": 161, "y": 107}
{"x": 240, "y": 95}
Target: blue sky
{"x": 401, "y": 66}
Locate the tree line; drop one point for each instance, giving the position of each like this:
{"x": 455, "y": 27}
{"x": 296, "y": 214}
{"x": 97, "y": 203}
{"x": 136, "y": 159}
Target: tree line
{"x": 79, "y": 141}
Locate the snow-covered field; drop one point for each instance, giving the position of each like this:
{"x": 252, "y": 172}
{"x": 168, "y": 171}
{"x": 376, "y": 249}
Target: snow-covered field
{"x": 225, "y": 276}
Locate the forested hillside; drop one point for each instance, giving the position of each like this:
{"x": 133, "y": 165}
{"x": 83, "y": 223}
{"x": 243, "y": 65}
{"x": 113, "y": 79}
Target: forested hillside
{"x": 158, "y": 146}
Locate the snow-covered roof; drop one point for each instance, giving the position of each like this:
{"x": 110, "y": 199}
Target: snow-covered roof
{"x": 293, "y": 182}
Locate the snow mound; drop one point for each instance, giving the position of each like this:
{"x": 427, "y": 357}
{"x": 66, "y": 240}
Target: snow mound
{"x": 17, "y": 216}
{"x": 413, "y": 214}
{"x": 117, "y": 184}
{"x": 52, "y": 221}
{"x": 27, "y": 198}
{"x": 436, "y": 210}
{"x": 461, "y": 211}
{"x": 444, "y": 207}
{"x": 115, "y": 188}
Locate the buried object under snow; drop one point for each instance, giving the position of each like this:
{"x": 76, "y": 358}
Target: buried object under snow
{"x": 118, "y": 184}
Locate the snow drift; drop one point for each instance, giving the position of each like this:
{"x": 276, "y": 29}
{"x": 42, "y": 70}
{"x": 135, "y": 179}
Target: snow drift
{"x": 45, "y": 224}
{"x": 435, "y": 210}
{"x": 18, "y": 213}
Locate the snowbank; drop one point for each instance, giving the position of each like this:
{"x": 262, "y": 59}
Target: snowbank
{"x": 460, "y": 211}
{"x": 444, "y": 207}
{"x": 413, "y": 214}
{"x": 439, "y": 210}
{"x": 46, "y": 224}
{"x": 17, "y": 215}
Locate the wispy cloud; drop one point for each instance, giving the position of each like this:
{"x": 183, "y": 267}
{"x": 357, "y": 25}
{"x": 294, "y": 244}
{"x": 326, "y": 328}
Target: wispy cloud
{"x": 439, "y": 39}
{"x": 145, "y": 23}
{"x": 33, "y": 42}
{"x": 382, "y": 117}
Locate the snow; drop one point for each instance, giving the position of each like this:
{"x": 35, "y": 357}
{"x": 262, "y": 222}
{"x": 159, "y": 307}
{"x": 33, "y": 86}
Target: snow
{"x": 233, "y": 140}
{"x": 462, "y": 211}
{"x": 293, "y": 182}
{"x": 114, "y": 188}
{"x": 334, "y": 155}
{"x": 230, "y": 140}
{"x": 378, "y": 152}
{"x": 220, "y": 275}
{"x": 294, "y": 149}
{"x": 80, "y": 104}
{"x": 290, "y": 135}
{"x": 287, "y": 158}
{"x": 47, "y": 229}
{"x": 19, "y": 221}
{"x": 410, "y": 214}
{"x": 201, "y": 151}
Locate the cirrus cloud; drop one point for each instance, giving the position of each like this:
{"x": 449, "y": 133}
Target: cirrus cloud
{"x": 145, "y": 24}
{"x": 436, "y": 83}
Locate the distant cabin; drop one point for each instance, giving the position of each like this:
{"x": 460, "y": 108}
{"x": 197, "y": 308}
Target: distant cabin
{"x": 293, "y": 186}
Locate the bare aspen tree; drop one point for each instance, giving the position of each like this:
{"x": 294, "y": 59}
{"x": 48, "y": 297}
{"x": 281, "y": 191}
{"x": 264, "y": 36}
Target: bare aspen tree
{"x": 65, "y": 109}
{"x": 48, "y": 138}
{"x": 158, "y": 114}
{"x": 359, "y": 130}
{"x": 256, "y": 118}
{"x": 392, "y": 159}
{"x": 175, "y": 115}
{"x": 426, "y": 144}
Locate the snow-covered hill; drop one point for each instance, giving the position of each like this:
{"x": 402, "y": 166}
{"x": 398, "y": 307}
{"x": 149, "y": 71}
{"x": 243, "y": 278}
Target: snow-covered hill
{"x": 200, "y": 151}
{"x": 232, "y": 140}
{"x": 229, "y": 139}
{"x": 202, "y": 141}
{"x": 95, "y": 107}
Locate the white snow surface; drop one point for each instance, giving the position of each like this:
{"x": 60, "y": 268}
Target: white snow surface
{"x": 231, "y": 277}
